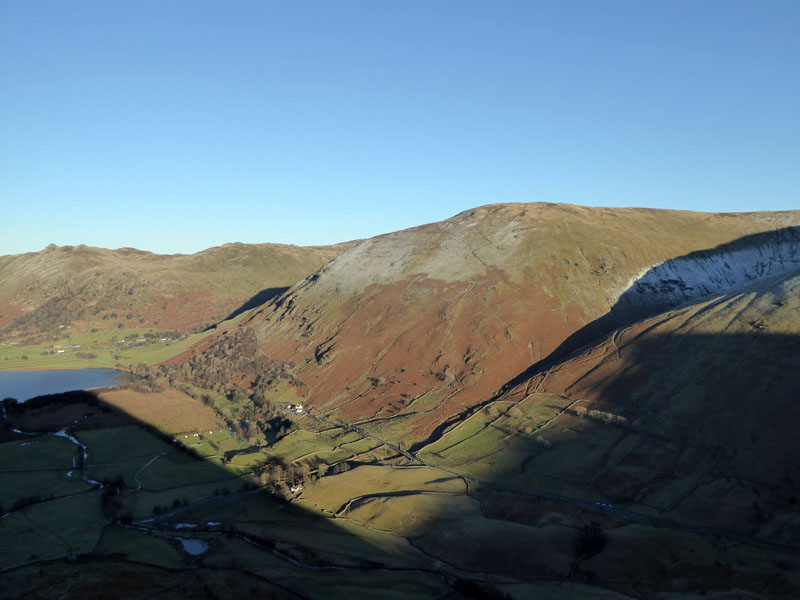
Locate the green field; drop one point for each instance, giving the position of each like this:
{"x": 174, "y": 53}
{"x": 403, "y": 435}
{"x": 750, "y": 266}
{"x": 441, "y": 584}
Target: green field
{"x": 408, "y": 530}
{"x": 38, "y": 485}
{"x": 37, "y": 452}
{"x": 120, "y": 444}
{"x": 107, "y": 345}
{"x": 163, "y": 486}
{"x": 54, "y": 529}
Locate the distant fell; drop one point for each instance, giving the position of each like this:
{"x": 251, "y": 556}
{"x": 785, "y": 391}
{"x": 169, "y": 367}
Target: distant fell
{"x": 84, "y": 288}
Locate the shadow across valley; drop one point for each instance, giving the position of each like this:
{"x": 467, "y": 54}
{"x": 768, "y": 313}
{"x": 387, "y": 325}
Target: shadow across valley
{"x": 658, "y": 461}
{"x": 648, "y": 463}
{"x": 97, "y": 503}
{"x": 661, "y": 464}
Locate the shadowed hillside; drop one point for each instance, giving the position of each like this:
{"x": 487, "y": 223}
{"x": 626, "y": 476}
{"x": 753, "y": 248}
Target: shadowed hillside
{"x": 675, "y": 437}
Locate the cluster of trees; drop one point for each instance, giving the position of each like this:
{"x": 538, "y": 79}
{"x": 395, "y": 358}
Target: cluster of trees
{"x": 176, "y": 503}
{"x": 111, "y": 497}
{"x": 468, "y": 588}
{"x": 235, "y": 367}
{"x": 278, "y": 475}
{"x": 591, "y": 540}
{"x": 600, "y": 415}
{"x": 47, "y": 318}
{"x": 234, "y": 357}
{"x": 150, "y": 337}
{"x": 147, "y": 379}
{"x": 257, "y": 415}
{"x": 65, "y": 305}
{"x": 277, "y": 471}
{"x": 84, "y": 355}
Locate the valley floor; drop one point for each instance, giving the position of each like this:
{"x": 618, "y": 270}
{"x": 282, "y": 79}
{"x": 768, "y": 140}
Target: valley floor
{"x": 447, "y": 521}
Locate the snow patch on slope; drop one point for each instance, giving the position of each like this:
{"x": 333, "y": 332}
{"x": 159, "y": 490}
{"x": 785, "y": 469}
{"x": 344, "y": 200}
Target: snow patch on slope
{"x": 712, "y": 272}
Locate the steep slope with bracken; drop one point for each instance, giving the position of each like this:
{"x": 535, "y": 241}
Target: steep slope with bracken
{"x": 675, "y": 438}
{"x": 88, "y": 287}
{"x": 420, "y": 324}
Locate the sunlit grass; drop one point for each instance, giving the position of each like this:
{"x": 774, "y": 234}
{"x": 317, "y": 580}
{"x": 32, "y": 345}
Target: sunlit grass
{"x": 108, "y": 346}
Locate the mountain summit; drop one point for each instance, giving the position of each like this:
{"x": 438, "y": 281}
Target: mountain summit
{"x": 454, "y": 310}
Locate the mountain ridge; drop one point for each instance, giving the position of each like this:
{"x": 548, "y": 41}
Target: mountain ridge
{"x": 470, "y": 302}
{"x": 60, "y": 284}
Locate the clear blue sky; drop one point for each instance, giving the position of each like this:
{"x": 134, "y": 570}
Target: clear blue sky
{"x": 174, "y": 126}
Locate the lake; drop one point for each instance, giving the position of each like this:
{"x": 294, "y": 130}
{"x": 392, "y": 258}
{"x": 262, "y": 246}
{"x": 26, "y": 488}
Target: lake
{"x": 24, "y": 385}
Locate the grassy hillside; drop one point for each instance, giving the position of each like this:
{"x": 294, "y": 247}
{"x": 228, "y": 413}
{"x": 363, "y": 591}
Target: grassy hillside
{"x": 422, "y": 323}
{"x": 522, "y": 401}
{"x": 82, "y": 289}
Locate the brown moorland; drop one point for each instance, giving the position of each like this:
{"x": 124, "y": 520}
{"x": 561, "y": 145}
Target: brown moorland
{"x": 88, "y": 288}
{"x": 430, "y": 321}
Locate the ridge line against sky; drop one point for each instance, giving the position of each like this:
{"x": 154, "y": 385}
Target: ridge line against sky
{"x": 398, "y": 230}
{"x": 176, "y": 126}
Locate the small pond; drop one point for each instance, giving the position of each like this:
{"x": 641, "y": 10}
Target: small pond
{"x": 194, "y": 547}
